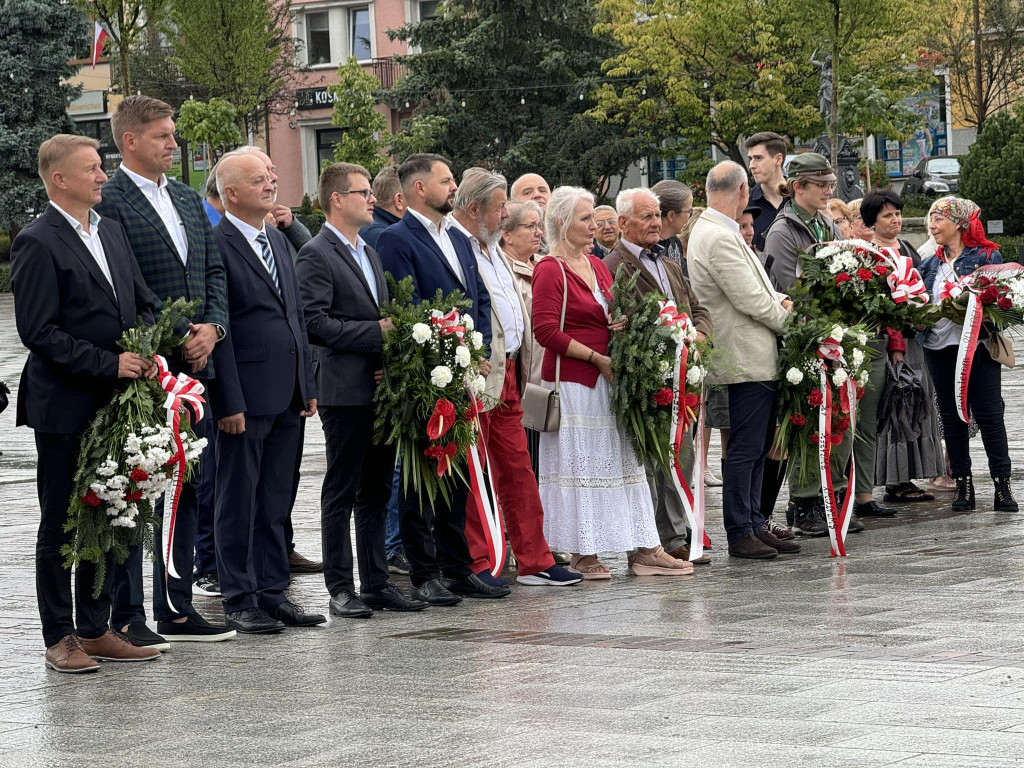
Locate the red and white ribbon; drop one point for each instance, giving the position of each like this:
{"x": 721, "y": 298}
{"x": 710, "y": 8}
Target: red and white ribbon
{"x": 905, "y": 282}
{"x": 181, "y": 390}
{"x": 449, "y": 324}
{"x": 830, "y": 349}
{"x": 486, "y": 499}
{"x": 838, "y": 520}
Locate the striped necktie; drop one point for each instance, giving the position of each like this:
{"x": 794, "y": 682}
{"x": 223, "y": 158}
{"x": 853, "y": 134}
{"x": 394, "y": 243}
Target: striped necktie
{"x": 268, "y": 259}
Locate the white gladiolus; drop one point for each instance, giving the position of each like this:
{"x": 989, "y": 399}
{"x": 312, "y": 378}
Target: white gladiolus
{"x": 477, "y": 339}
{"x": 858, "y": 358}
{"x": 421, "y": 333}
{"x": 441, "y": 376}
{"x": 862, "y": 338}
{"x": 467, "y": 322}
{"x": 862, "y": 380}
{"x": 794, "y": 375}
{"x": 462, "y": 357}
{"x": 839, "y": 377}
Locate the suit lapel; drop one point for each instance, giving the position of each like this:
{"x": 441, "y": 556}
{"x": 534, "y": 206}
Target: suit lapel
{"x": 242, "y": 247}
{"x": 421, "y": 232}
{"x": 348, "y": 259}
{"x": 635, "y": 263}
{"x": 73, "y": 241}
{"x": 134, "y": 197}
{"x": 192, "y": 232}
{"x": 110, "y": 249}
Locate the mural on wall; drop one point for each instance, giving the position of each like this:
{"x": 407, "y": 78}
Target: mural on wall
{"x": 930, "y": 139}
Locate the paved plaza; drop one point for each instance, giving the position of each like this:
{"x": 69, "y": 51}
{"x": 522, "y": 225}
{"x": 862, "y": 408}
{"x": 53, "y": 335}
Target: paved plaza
{"x": 909, "y": 652}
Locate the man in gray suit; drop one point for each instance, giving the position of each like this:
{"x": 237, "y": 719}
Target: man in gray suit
{"x": 342, "y": 285}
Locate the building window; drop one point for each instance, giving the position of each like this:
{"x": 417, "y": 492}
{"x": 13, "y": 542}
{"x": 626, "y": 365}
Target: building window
{"x": 428, "y": 9}
{"x": 318, "y": 38}
{"x": 325, "y": 141}
{"x": 359, "y": 33}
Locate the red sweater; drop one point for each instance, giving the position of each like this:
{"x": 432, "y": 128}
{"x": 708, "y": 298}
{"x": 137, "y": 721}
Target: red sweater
{"x": 585, "y": 319}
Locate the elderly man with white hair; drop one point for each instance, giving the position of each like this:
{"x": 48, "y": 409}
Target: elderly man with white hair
{"x": 749, "y": 316}
{"x": 638, "y": 250}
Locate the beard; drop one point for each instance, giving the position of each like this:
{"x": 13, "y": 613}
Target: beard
{"x": 491, "y": 239}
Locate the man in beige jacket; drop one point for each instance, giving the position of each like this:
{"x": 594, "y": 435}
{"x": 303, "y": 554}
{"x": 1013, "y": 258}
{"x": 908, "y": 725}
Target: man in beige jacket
{"x": 748, "y": 316}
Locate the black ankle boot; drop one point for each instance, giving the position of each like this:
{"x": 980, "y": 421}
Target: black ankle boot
{"x": 963, "y": 499}
{"x": 1004, "y": 495}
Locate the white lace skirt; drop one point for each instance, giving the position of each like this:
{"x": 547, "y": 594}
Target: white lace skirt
{"x": 594, "y": 491}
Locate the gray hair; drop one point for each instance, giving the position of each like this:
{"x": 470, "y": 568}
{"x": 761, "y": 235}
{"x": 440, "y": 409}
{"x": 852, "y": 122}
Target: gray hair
{"x": 727, "y": 176}
{"x": 561, "y": 207}
{"x": 674, "y": 195}
{"x": 517, "y": 211}
{"x": 478, "y": 184}
{"x": 211, "y": 192}
{"x": 625, "y": 201}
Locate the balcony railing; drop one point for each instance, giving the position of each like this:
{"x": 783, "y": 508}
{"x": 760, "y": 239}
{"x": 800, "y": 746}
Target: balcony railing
{"x": 387, "y": 71}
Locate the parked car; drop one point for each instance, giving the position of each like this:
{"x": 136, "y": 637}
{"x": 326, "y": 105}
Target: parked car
{"x": 934, "y": 176}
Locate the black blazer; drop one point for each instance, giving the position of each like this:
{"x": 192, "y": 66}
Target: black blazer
{"x": 70, "y": 320}
{"x": 408, "y": 249}
{"x": 342, "y": 318}
{"x": 264, "y": 359}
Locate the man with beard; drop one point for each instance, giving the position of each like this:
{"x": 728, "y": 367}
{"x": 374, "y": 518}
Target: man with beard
{"x": 424, "y": 246}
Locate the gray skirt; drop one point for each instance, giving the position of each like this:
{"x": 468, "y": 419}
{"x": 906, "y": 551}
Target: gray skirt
{"x": 920, "y": 459}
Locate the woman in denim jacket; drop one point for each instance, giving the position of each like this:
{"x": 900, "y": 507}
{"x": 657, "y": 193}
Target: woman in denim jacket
{"x": 962, "y": 248}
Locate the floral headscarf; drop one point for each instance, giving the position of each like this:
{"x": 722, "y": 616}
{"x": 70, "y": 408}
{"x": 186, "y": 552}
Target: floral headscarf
{"x": 967, "y": 216}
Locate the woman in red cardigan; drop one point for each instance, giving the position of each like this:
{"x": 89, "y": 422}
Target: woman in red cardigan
{"x": 594, "y": 490}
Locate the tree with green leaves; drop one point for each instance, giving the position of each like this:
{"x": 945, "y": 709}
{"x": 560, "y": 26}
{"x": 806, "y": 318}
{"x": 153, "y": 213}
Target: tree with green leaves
{"x": 868, "y": 109}
{"x": 125, "y": 22}
{"x": 212, "y": 124}
{"x": 155, "y": 73}
{"x": 992, "y": 173}
{"x": 240, "y": 50}
{"x": 37, "y": 40}
{"x": 707, "y": 74}
{"x": 514, "y": 82}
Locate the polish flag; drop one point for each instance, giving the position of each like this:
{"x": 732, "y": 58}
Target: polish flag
{"x": 99, "y": 37}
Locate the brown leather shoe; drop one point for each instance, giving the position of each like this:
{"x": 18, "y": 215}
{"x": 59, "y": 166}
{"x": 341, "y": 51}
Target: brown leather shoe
{"x": 114, "y": 646}
{"x": 68, "y": 656}
{"x": 299, "y": 564}
{"x": 752, "y": 548}
{"x": 683, "y": 553}
{"x": 785, "y": 547}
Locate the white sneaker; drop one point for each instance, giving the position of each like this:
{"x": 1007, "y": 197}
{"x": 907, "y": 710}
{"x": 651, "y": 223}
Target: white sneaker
{"x": 710, "y": 481}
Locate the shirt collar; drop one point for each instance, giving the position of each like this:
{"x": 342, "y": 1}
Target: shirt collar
{"x": 806, "y": 216}
{"x": 94, "y": 219}
{"x": 146, "y": 185}
{"x": 483, "y": 247}
{"x": 728, "y": 221}
{"x": 360, "y": 244}
{"x": 249, "y": 232}
{"x": 445, "y": 222}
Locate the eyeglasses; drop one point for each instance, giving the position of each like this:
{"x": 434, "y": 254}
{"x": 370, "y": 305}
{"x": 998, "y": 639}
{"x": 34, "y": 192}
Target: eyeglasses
{"x": 687, "y": 212}
{"x": 366, "y": 193}
{"x": 604, "y": 223}
{"x": 828, "y": 186}
{"x": 537, "y": 227}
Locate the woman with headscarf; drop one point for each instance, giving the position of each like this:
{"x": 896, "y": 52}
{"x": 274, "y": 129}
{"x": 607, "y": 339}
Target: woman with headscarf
{"x": 962, "y": 248}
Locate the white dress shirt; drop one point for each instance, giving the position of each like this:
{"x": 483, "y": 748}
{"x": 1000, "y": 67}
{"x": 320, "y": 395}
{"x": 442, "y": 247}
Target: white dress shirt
{"x": 91, "y": 239}
{"x": 728, "y": 221}
{"x": 250, "y": 233}
{"x": 444, "y": 242}
{"x": 502, "y": 288}
{"x": 160, "y": 198}
{"x": 655, "y": 266}
{"x": 358, "y": 252}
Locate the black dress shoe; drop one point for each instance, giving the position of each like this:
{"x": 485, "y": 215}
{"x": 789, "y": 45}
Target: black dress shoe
{"x": 299, "y": 564}
{"x": 782, "y": 546}
{"x": 293, "y": 616}
{"x": 752, "y": 548}
{"x": 433, "y": 592}
{"x": 253, "y": 621}
{"x": 873, "y": 509}
{"x": 348, "y": 606}
{"x": 473, "y": 586}
{"x": 391, "y": 599}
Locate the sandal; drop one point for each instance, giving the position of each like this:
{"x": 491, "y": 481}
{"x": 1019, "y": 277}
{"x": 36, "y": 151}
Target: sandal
{"x": 944, "y": 483}
{"x": 589, "y": 567}
{"x": 657, "y": 562}
{"x": 905, "y": 493}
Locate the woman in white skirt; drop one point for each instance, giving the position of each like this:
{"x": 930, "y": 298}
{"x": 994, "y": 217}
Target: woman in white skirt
{"x": 593, "y": 488}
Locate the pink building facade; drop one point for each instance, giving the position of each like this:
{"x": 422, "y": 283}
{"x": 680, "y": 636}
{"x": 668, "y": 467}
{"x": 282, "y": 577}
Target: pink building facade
{"x": 331, "y": 31}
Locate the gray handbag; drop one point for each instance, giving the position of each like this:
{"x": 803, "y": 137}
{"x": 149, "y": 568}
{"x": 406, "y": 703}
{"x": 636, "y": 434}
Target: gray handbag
{"x": 542, "y": 407}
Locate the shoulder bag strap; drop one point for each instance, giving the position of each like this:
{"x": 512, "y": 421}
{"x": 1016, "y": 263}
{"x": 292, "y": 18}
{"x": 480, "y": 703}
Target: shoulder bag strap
{"x": 561, "y": 322}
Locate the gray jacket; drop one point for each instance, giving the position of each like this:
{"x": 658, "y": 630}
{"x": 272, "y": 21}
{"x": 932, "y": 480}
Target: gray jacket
{"x": 787, "y": 236}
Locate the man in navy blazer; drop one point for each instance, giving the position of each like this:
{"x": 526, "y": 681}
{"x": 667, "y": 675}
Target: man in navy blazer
{"x": 265, "y": 388}
{"x": 77, "y": 289}
{"x": 438, "y": 258}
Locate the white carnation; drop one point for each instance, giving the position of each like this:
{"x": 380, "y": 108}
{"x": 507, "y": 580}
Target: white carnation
{"x": 837, "y": 332}
{"x": 467, "y": 322}
{"x": 858, "y": 358}
{"x": 441, "y": 376}
{"x": 477, "y": 385}
{"x": 794, "y": 375}
{"x": 862, "y": 338}
{"x": 477, "y": 339}
{"x": 694, "y": 375}
{"x": 462, "y": 357}
{"x": 421, "y": 333}
{"x": 839, "y": 377}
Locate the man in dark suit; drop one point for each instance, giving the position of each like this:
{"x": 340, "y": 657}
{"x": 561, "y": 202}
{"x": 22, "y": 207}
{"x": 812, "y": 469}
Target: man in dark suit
{"x": 423, "y": 246}
{"x": 265, "y": 387}
{"x": 343, "y": 286}
{"x": 173, "y": 243}
{"x": 77, "y": 289}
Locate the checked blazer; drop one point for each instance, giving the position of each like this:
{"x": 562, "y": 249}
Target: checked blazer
{"x": 201, "y": 277}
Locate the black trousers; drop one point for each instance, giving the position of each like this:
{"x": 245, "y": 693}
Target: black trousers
{"x": 289, "y": 529}
{"x": 985, "y": 399}
{"x": 435, "y": 539}
{"x": 55, "y": 472}
{"x": 752, "y": 410}
{"x": 357, "y": 484}
{"x": 206, "y": 494}
{"x": 254, "y": 484}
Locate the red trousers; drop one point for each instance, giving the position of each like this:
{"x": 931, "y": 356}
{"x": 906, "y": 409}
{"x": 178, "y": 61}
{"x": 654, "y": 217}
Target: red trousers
{"x": 514, "y": 483}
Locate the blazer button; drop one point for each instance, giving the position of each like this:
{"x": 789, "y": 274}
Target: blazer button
{"x": 187, "y": 275}
{"x": 123, "y": 321}
{"x": 292, "y": 350}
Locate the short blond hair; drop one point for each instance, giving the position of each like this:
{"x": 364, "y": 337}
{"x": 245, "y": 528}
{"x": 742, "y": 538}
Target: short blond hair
{"x": 57, "y": 149}
{"x": 337, "y": 178}
{"x": 135, "y": 113}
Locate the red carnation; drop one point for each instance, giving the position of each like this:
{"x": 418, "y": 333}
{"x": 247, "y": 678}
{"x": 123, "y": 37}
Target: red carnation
{"x": 663, "y": 396}
{"x": 815, "y": 398}
{"x": 441, "y": 420}
{"x": 691, "y": 400}
{"x": 814, "y": 438}
{"x": 990, "y": 295}
{"x": 843, "y": 424}
{"x": 879, "y": 258}
{"x": 843, "y": 277}
{"x": 139, "y": 475}
{"x": 865, "y": 274}
{"x": 983, "y": 282}
{"x": 133, "y": 496}
{"x": 91, "y": 499}
{"x": 837, "y": 438}
{"x": 797, "y": 419}
{"x": 1005, "y": 303}
{"x": 882, "y": 270}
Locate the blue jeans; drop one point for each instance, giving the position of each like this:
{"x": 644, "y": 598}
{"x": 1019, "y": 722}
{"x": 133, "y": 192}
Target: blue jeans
{"x": 392, "y": 534}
